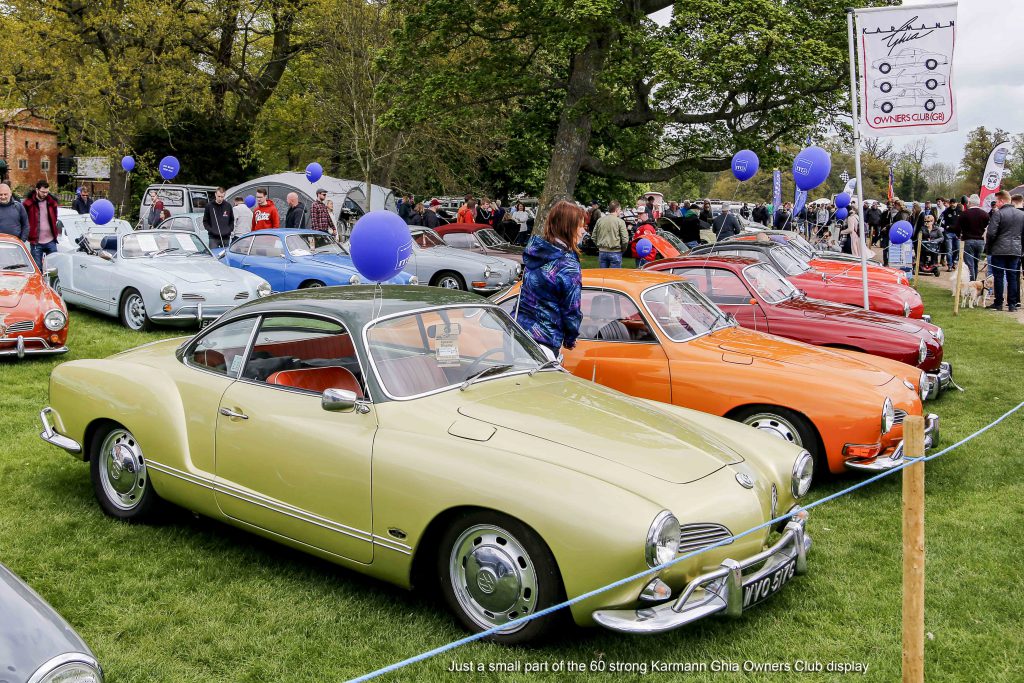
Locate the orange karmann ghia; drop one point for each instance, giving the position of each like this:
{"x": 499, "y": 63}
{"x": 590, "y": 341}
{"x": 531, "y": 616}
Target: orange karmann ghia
{"x": 651, "y": 335}
{"x": 33, "y": 318}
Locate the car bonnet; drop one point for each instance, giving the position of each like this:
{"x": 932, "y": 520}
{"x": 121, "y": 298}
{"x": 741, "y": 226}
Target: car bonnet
{"x": 605, "y": 424}
{"x": 190, "y": 269}
{"x": 12, "y": 287}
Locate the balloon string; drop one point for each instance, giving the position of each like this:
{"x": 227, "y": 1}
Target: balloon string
{"x": 120, "y": 210}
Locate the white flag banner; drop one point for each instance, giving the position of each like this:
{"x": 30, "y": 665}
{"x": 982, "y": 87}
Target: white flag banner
{"x": 906, "y": 69}
{"x": 993, "y": 178}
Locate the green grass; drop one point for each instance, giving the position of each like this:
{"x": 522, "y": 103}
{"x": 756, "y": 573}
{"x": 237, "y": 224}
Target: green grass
{"x": 191, "y": 599}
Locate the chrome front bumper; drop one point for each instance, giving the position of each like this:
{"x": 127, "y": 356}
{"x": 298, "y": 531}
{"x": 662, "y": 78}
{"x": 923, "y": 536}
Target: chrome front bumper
{"x": 721, "y": 590}
{"x": 21, "y": 351}
{"x": 895, "y": 459}
{"x": 50, "y": 436}
{"x": 939, "y": 381}
{"x": 197, "y": 313}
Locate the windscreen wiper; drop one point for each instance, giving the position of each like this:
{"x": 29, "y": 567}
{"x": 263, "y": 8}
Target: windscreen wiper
{"x": 493, "y": 370}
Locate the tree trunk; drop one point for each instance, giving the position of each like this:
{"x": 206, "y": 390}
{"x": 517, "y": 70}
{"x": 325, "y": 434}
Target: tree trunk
{"x": 574, "y": 128}
{"x": 120, "y": 194}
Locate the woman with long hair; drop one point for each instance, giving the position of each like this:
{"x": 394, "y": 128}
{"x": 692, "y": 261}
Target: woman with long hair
{"x": 549, "y": 303}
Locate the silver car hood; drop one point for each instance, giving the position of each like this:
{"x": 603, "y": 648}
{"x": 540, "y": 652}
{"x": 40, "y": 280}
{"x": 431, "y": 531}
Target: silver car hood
{"x": 193, "y": 270}
{"x": 483, "y": 259}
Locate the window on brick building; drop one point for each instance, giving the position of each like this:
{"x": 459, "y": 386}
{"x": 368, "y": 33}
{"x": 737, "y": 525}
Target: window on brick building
{"x": 37, "y": 145}
{"x": 23, "y": 164}
{"x": 45, "y": 163}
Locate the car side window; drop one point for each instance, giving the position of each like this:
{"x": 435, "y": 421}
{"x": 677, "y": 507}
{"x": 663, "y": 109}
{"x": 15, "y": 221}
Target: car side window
{"x": 612, "y": 316}
{"x": 241, "y": 247}
{"x": 459, "y": 240}
{"x": 266, "y": 245}
{"x": 720, "y": 285}
{"x": 306, "y": 353}
{"x": 222, "y": 350}
{"x": 180, "y": 223}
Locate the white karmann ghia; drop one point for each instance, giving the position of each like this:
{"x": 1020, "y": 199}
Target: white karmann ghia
{"x": 150, "y": 276}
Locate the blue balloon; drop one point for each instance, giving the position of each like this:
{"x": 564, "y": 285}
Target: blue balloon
{"x": 745, "y": 164}
{"x": 380, "y": 245}
{"x": 128, "y": 163}
{"x": 101, "y": 212}
{"x": 841, "y": 214}
{"x": 900, "y": 232}
{"x": 169, "y": 168}
{"x": 842, "y": 200}
{"x": 314, "y": 172}
{"x": 644, "y": 247}
{"x": 250, "y": 201}
{"x": 811, "y": 168}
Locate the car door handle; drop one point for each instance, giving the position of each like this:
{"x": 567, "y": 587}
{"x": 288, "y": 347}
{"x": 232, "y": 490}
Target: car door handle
{"x": 226, "y": 412}
{"x": 82, "y": 265}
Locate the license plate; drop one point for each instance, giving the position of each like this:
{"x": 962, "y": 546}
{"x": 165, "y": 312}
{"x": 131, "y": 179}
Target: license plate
{"x": 763, "y": 588}
{"x": 205, "y": 322}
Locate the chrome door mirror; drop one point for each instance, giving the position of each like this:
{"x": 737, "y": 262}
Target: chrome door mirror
{"x": 338, "y": 400}
{"x": 105, "y": 255}
{"x": 51, "y": 272}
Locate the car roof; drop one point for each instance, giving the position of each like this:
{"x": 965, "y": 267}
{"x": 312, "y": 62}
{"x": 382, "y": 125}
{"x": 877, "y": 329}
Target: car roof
{"x": 357, "y": 305}
{"x": 460, "y": 227}
{"x": 626, "y": 278}
{"x": 701, "y": 260}
{"x": 283, "y": 232}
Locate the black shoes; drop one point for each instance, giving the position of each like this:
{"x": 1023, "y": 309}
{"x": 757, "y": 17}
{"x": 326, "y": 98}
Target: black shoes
{"x": 994, "y": 307}
{"x": 1012, "y": 308}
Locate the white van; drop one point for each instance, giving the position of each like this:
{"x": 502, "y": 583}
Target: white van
{"x": 177, "y": 199}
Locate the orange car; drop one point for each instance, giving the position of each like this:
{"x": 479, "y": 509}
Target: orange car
{"x": 33, "y": 319}
{"x": 652, "y": 335}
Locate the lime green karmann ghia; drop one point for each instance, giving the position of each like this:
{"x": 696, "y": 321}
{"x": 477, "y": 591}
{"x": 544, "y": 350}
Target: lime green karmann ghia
{"x": 422, "y": 437}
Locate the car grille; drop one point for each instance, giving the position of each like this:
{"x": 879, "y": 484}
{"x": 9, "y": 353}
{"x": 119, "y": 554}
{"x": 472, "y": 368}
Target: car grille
{"x": 900, "y": 414}
{"x": 21, "y": 326}
{"x": 696, "y": 536}
{"x": 193, "y": 297}
{"x": 241, "y": 296}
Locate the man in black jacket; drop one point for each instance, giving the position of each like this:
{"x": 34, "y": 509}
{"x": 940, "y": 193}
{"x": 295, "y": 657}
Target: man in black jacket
{"x": 219, "y": 220}
{"x": 970, "y": 227}
{"x": 1003, "y": 246}
{"x": 295, "y": 219}
{"x": 83, "y": 202}
{"x": 725, "y": 225}
{"x": 760, "y": 214}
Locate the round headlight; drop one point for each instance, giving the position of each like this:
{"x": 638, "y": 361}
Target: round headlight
{"x": 922, "y": 351}
{"x": 354, "y": 280}
{"x": 940, "y": 336}
{"x": 487, "y": 271}
{"x": 662, "y": 539}
{"x": 84, "y": 671}
{"x": 55, "y": 320}
{"x": 888, "y": 416}
{"x": 906, "y": 309}
{"x": 168, "y": 292}
{"x": 924, "y": 385}
{"x": 803, "y": 473}
{"x": 263, "y": 289}
{"x": 414, "y": 280}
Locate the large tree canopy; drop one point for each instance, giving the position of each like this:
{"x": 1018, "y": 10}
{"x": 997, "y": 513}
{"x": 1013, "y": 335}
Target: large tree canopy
{"x": 635, "y": 101}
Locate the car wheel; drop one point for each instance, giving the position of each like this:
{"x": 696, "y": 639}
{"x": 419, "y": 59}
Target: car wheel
{"x": 449, "y": 280}
{"x": 55, "y": 286}
{"x": 929, "y": 105}
{"x": 786, "y": 425}
{"x": 931, "y": 84}
{"x": 120, "y": 479}
{"x": 133, "y": 311}
{"x": 885, "y": 67}
{"x": 885, "y": 87}
{"x": 311, "y": 284}
{"x": 930, "y": 64}
{"x": 887, "y": 107}
{"x": 493, "y": 569}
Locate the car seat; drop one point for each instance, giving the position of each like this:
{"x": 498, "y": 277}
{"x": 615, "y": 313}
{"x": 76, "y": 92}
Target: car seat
{"x": 603, "y": 323}
{"x": 318, "y": 379}
{"x": 109, "y": 244}
{"x": 411, "y": 375}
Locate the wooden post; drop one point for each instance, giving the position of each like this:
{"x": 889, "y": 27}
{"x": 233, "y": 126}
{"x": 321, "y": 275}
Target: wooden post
{"x": 917, "y": 258}
{"x": 913, "y": 552}
{"x": 959, "y": 277}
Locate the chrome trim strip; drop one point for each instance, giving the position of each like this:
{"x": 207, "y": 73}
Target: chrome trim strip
{"x": 695, "y": 291}
{"x": 179, "y": 474}
{"x": 83, "y": 294}
{"x": 389, "y": 541}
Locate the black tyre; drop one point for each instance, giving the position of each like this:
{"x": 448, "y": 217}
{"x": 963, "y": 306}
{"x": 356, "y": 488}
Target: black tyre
{"x": 930, "y": 105}
{"x": 787, "y": 425}
{"x": 931, "y": 84}
{"x": 887, "y": 107}
{"x": 311, "y": 284}
{"x": 493, "y": 569}
{"x": 132, "y": 311}
{"x": 120, "y": 479}
{"x": 885, "y": 67}
{"x": 930, "y": 64}
{"x": 885, "y": 87}
{"x": 448, "y": 279}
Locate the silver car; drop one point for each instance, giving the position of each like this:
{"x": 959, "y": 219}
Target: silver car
{"x": 435, "y": 263}
{"x": 152, "y": 276}
{"x": 74, "y": 227}
{"x": 36, "y": 644}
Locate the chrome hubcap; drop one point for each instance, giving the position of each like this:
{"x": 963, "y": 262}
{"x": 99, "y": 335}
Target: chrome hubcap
{"x": 449, "y": 283}
{"x": 493, "y": 577}
{"x": 135, "y": 311}
{"x": 776, "y": 426}
{"x": 122, "y": 469}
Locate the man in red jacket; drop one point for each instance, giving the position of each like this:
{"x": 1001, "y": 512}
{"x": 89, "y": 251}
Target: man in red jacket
{"x": 43, "y": 229}
{"x": 264, "y": 216}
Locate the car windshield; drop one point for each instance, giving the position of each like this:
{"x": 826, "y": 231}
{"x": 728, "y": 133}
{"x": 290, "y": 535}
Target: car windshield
{"x": 800, "y": 243}
{"x": 489, "y": 238}
{"x": 674, "y": 241}
{"x": 682, "y": 312}
{"x": 311, "y": 243}
{"x": 788, "y": 261}
{"x": 429, "y": 351}
{"x": 772, "y": 287}
{"x": 148, "y": 244}
{"x": 425, "y": 239}
{"x": 14, "y": 257}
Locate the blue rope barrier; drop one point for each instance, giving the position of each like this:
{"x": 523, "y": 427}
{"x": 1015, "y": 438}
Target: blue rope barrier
{"x": 597, "y": 591}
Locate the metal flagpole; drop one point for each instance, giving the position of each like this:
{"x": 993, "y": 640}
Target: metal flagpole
{"x": 856, "y": 157}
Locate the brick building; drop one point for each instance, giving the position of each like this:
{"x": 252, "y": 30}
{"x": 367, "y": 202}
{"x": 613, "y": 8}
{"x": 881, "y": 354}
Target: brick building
{"x": 29, "y": 146}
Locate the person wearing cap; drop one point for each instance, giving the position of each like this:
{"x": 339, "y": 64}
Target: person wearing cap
{"x": 725, "y": 225}
{"x": 83, "y": 202}
{"x": 430, "y": 218}
{"x": 320, "y": 215}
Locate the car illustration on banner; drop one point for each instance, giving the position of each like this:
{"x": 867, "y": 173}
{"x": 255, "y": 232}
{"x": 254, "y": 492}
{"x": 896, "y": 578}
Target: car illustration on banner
{"x": 910, "y": 97}
{"x": 930, "y": 81}
{"x": 908, "y": 58}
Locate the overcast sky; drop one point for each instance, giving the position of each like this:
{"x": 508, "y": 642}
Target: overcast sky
{"x": 987, "y": 76}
